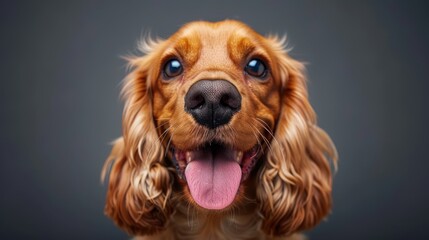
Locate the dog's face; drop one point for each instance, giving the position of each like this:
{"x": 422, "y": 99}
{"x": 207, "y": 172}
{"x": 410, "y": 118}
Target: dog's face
{"x": 215, "y": 99}
{"x": 211, "y": 108}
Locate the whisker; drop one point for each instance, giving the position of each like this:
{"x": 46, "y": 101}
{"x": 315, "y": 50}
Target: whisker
{"x": 265, "y": 126}
{"x": 232, "y": 132}
{"x": 168, "y": 145}
{"x": 274, "y": 138}
{"x": 164, "y": 134}
{"x": 256, "y": 136}
{"x": 262, "y": 121}
{"x": 152, "y": 148}
{"x": 166, "y": 122}
{"x": 263, "y": 138}
{"x": 160, "y": 139}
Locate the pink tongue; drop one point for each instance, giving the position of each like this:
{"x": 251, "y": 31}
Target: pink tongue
{"x": 213, "y": 180}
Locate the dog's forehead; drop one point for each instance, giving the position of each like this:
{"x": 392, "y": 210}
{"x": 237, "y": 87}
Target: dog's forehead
{"x": 217, "y": 42}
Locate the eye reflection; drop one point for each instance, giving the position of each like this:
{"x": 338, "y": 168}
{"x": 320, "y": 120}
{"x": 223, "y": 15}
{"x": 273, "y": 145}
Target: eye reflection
{"x": 173, "y": 68}
{"x": 256, "y": 68}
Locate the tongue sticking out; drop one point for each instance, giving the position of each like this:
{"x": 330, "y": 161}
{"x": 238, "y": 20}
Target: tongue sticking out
{"x": 213, "y": 178}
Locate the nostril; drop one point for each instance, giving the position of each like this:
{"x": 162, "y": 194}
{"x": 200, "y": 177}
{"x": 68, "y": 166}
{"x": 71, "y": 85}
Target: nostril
{"x": 212, "y": 103}
{"x": 229, "y": 101}
{"x": 195, "y": 101}
{"x": 224, "y": 100}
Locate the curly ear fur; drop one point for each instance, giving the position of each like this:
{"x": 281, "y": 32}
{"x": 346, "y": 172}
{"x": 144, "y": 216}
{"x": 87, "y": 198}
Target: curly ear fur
{"x": 140, "y": 184}
{"x": 295, "y": 188}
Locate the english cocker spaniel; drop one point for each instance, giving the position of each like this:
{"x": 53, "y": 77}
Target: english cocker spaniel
{"x": 219, "y": 140}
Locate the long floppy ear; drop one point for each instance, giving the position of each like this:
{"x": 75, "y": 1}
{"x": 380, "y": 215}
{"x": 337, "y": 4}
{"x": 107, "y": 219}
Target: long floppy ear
{"x": 295, "y": 190}
{"x": 140, "y": 184}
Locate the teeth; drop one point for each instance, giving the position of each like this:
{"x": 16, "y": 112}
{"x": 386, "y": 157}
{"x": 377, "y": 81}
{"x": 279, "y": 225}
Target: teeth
{"x": 239, "y": 157}
{"x": 188, "y": 157}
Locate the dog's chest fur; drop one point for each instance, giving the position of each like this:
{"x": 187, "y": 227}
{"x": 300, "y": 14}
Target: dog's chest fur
{"x": 187, "y": 223}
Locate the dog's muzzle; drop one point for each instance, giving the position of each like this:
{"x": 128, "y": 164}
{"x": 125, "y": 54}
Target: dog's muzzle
{"x": 212, "y": 103}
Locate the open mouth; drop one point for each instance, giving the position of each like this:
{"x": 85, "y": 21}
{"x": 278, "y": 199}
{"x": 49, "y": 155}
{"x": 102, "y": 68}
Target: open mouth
{"x": 214, "y": 172}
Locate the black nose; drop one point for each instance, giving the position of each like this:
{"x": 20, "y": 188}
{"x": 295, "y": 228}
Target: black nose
{"x": 212, "y": 102}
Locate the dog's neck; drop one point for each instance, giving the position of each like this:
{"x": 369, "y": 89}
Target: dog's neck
{"x": 190, "y": 223}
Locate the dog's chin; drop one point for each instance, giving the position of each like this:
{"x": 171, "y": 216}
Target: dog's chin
{"x": 214, "y": 171}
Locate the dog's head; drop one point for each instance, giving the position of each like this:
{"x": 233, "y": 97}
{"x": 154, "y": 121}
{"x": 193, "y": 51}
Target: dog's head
{"x": 212, "y": 113}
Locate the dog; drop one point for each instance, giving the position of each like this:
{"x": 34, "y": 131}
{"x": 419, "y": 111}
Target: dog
{"x": 219, "y": 140}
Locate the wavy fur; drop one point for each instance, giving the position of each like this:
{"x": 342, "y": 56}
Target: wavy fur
{"x": 289, "y": 192}
{"x": 295, "y": 191}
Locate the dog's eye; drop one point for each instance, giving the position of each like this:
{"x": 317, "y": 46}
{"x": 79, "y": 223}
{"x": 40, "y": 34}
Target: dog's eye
{"x": 256, "y": 68}
{"x": 173, "y": 68}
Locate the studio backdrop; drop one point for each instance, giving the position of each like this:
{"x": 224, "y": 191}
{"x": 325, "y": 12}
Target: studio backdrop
{"x": 61, "y": 72}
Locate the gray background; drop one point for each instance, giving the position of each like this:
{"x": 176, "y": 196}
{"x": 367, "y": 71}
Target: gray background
{"x": 60, "y": 75}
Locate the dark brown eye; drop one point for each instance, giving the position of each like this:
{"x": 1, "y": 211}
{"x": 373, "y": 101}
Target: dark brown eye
{"x": 173, "y": 68}
{"x": 256, "y": 68}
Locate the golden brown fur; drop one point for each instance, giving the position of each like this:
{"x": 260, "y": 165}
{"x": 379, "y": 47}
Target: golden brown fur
{"x": 290, "y": 188}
